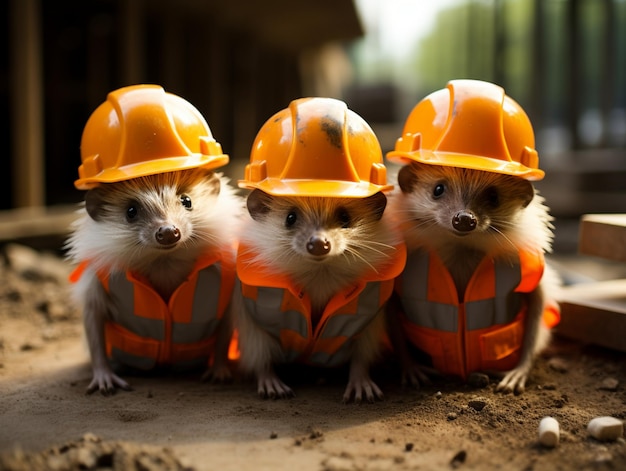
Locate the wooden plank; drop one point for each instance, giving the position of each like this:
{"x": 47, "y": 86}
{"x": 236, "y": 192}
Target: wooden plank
{"x": 603, "y": 235}
{"x": 595, "y": 313}
{"x": 36, "y": 222}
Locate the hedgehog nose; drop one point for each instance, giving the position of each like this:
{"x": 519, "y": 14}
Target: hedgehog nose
{"x": 464, "y": 221}
{"x": 318, "y": 246}
{"x": 167, "y": 235}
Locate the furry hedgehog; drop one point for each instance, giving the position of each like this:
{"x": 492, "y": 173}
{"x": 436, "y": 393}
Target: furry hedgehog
{"x": 476, "y": 294}
{"x": 154, "y": 239}
{"x": 317, "y": 257}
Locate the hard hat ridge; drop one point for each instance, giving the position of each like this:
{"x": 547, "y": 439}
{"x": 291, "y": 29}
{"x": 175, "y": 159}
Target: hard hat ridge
{"x": 470, "y": 124}
{"x": 316, "y": 147}
{"x": 141, "y": 130}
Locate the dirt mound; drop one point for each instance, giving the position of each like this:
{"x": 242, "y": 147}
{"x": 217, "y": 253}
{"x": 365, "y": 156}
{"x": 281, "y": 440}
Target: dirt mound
{"x": 90, "y": 453}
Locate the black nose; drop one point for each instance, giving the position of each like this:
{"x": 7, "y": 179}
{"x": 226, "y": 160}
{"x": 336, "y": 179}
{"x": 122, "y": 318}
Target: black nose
{"x": 318, "y": 246}
{"x": 167, "y": 235}
{"x": 464, "y": 221}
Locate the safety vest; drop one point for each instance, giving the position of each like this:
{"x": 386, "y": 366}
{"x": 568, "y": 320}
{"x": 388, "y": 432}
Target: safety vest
{"x": 485, "y": 330}
{"x": 145, "y": 331}
{"x": 284, "y": 311}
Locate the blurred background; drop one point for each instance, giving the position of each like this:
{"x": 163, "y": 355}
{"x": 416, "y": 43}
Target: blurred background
{"x": 240, "y": 61}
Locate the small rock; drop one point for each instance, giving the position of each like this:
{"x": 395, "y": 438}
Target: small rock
{"x": 609, "y": 384}
{"x": 558, "y": 364}
{"x": 86, "y": 458}
{"x": 452, "y": 416}
{"x": 273, "y": 435}
{"x": 605, "y": 428}
{"x": 458, "y": 459}
{"x": 477, "y": 404}
{"x": 408, "y": 447}
{"x": 549, "y": 432}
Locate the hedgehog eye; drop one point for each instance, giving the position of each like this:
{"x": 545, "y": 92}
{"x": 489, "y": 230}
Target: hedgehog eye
{"x": 439, "y": 190}
{"x": 344, "y": 218}
{"x": 291, "y": 219}
{"x": 493, "y": 198}
{"x": 185, "y": 201}
{"x": 132, "y": 211}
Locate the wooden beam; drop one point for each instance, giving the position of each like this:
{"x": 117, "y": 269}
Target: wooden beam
{"x": 595, "y": 313}
{"x": 603, "y": 235}
{"x": 36, "y": 222}
{"x": 27, "y": 108}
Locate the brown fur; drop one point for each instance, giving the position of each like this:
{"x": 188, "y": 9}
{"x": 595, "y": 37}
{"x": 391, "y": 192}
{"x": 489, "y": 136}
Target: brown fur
{"x": 506, "y": 213}
{"x": 359, "y": 239}
{"x": 117, "y": 230}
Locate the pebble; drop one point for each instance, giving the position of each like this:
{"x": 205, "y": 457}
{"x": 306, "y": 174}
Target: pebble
{"x": 605, "y": 428}
{"x": 549, "y": 432}
{"x": 477, "y": 404}
{"x": 609, "y": 384}
{"x": 458, "y": 459}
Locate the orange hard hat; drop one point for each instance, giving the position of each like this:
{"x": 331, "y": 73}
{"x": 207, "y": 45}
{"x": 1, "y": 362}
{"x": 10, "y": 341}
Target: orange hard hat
{"x": 316, "y": 147}
{"x": 142, "y": 130}
{"x": 470, "y": 124}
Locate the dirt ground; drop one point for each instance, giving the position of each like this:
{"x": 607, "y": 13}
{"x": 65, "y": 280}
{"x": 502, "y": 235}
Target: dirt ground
{"x": 178, "y": 422}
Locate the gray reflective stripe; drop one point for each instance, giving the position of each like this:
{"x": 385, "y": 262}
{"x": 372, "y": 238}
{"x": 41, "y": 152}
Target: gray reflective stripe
{"x": 480, "y": 314}
{"x": 349, "y": 325}
{"x": 415, "y": 302}
{"x": 504, "y": 307}
{"x": 266, "y": 311}
{"x": 438, "y": 316}
{"x": 415, "y": 276}
{"x": 205, "y": 308}
{"x": 191, "y": 333}
{"x": 122, "y": 292}
{"x": 207, "y": 293}
{"x": 139, "y": 362}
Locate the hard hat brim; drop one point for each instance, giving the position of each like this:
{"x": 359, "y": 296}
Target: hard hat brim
{"x": 315, "y": 188}
{"x": 152, "y": 167}
{"x": 473, "y": 162}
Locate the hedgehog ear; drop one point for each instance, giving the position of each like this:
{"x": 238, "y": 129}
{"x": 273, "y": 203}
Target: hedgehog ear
{"x": 528, "y": 192}
{"x": 378, "y": 203}
{"x": 94, "y": 200}
{"x": 259, "y": 204}
{"x": 213, "y": 181}
{"x": 407, "y": 178}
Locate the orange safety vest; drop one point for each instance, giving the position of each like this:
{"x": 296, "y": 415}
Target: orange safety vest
{"x": 145, "y": 331}
{"x": 485, "y": 330}
{"x": 284, "y": 310}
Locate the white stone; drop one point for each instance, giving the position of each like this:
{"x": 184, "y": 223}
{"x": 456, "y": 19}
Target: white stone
{"x": 605, "y": 428}
{"x": 549, "y": 432}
